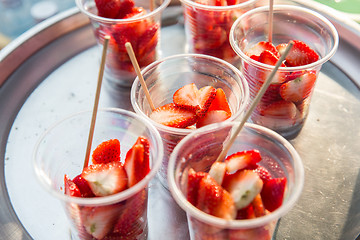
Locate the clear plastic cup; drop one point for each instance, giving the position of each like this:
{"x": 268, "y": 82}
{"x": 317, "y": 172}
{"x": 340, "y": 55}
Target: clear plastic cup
{"x": 165, "y": 76}
{"x": 142, "y": 31}
{"x": 289, "y": 23}
{"x": 61, "y": 150}
{"x": 207, "y": 28}
{"x": 197, "y": 151}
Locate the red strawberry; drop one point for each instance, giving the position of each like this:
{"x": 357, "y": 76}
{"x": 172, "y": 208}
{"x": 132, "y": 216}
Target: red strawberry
{"x": 258, "y": 206}
{"x": 241, "y": 160}
{"x": 172, "y": 115}
{"x": 215, "y": 200}
{"x": 272, "y": 193}
{"x": 137, "y": 161}
{"x": 193, "y": 185}
{"x": 135, "y": 12}
{"x": 106, "y": 152}
{"x": 71, "y": 188}
{"x": 263, "y": 173}
{"x": 300, "y": 54}
{"x": 217, "y": 171}
{"x": 299, "y": 88}
{"x": 258, "y": 48}
{"x": 126, "y": 7}
{"x": 108, "y": 8}
{"x": 214, "y": 116}
{"x": 268, "y": 57}
{"x": 220, "y": 102}
{"x": 280, "y": 109}
{"x": 83, "y": 186}
{"x": 106, "y": 179}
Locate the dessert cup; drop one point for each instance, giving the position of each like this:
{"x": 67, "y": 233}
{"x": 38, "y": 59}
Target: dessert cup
{"x": 200, "y": 149}
{"x": 289, "y": 23}
{"x": 61, "y": 150}
{"x": 167, "y": 75}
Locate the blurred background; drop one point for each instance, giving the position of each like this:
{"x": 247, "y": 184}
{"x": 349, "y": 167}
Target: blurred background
{"x": 17, "y": 16}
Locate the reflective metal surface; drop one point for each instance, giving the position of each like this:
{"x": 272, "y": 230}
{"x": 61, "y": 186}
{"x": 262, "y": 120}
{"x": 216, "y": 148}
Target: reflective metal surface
{"x": 51, "y": 71}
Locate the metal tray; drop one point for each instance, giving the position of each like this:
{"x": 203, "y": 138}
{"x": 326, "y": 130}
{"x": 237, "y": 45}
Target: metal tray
{"x": 51, "y": 71}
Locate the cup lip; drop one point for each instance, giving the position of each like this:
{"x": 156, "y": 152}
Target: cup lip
{"x": 319, "y": 62}
{"x": 123, "y": 195}
{"x": 183, "y": 131}
{"x": 95, "y": 17}
{"x": 218, "y": 8}
{"x": 238, "y": 224}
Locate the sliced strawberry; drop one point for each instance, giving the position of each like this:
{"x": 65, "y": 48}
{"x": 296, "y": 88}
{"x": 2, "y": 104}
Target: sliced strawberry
{"x": 135, "y": 12}
{"x": 213, "y": 116}
{"x": 272, "y": 193}
{"x": 220, "y": 102}
{"x": 246, "y": 213}
{"x": 258, "y": 48}
{"x": 241, "y": 160}
{"x": 106, "y": 152}
{"x": 243, "y": 186}
{"x": 263, "y": 173}
{"x": 106, "y": 179}
{"x": 83, "y": 186}
{"x": 172, "y": 115}
{"x": 215, "y": 200}
{"x": 108, "y": 8}
{"x": 205, "y": 97}
{"x": 71, "y": 188}
{"x": 268, "y": 57}
{"x": 299, "y": 88}
{"x": 137, "y": 161}
{"x": 126, "y": 7}
{"x": 193, "y": 185}
{"x": 258, "y": 206}
{"x": 280, "y": 109}
{"x": 300, "y": 54}
{"x": 217, "y": 171}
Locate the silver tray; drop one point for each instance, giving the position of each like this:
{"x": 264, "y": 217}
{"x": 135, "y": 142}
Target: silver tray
{"x": 51, "y": 71}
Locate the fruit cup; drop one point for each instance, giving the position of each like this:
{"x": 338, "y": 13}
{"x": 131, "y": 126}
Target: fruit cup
{"x": 285, "y": 105}
{"x": 164, "y": 77}
{"x": 196, "y": 151}
{"x": 61, "y": 150}
{"x": 133, "y": 22}
{"x": 208, "y": 24}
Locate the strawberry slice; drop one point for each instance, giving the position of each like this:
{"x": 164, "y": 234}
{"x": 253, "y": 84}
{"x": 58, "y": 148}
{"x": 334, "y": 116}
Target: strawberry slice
{"x": 172, "y": 115}
{"x": 268, "y": 57}
{"x": 108, "y": 8}
{"x": 272, "y": 193}
{"x": 83, "y": 186}
{"x": 217, "y": 171}
{"x": 126, "y": 7}
{"x": 258, "y": 206}
{"x": 263, "y": 173}
{"x": 258, "y": 48}
{"x": 299, "y": 55}
{"x": 135, "y": 12}
{"x": 215, "y": 200}
{"x": 213, "y": 116}
{"x": 194, "y": 179}
{"x": 106, "y": 179}
{"x": 299, "y": 88}
{"x": 220, "y": 102}
{"x": 241, "y": 160}
{"x": 243, "y": 186}
{"x": 106, "y": 152}
{"x": 280, "y": 109}
{"x": 71, "y": 188}
{"x": 137, "y": 161}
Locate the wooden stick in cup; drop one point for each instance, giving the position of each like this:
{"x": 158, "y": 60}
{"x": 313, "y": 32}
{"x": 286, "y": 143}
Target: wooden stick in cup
{"x": 96, "y": 103}
{"x": 135, "y": 63}
{"x": 270, "y": 21}
{"x": 255, "y": 102}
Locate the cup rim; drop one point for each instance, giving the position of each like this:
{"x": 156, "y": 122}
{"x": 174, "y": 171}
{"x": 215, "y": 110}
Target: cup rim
{"x": 123, "y": 195}
{"x": 238, "y": 224}
{"x": 319, "y": 62}
{"x": 218, "y": 8}
{"x": 113, "y": 20}
{"x": 183, "y": 131}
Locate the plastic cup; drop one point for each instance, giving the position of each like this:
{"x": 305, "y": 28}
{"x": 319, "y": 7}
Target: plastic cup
{"x": 61, "y": 150}
{"x": 165, "y": 76}
{"x": 289, "y": 23}
{"x": 207, "y": 28}
{"x": 142, "y": 31}
{"x": 197, "y": 151}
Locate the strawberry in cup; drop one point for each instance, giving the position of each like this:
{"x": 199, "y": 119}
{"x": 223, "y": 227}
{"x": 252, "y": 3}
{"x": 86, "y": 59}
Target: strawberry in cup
{"x": 208, "y": 24}
{"x": 108, "y": 198}
{"x": 285, "y": 105}
{"x": 188, "y": 91}
{"x": 242, "y": 196}
{"x": 125, "y": 21}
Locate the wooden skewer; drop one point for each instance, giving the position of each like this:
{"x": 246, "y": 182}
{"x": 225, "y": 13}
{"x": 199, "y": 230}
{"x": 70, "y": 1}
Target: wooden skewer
{"x": 135, "y": 63}
{"x": 96, "y": 103}
{"x": 271, "y": 14}
{"x": 152, "y": 5}
{"x": 255, "y": 102}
